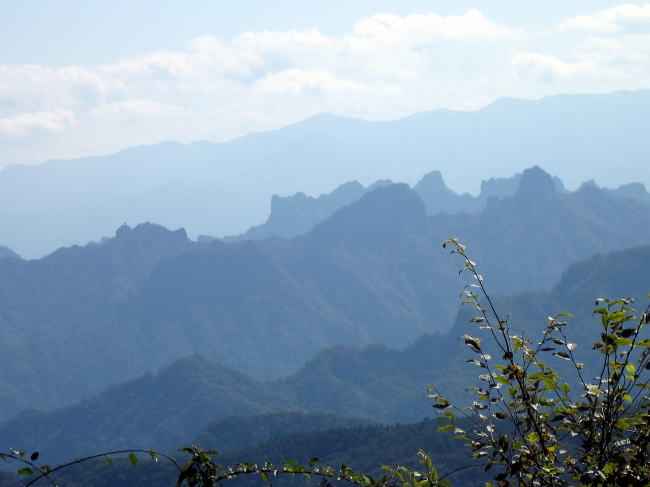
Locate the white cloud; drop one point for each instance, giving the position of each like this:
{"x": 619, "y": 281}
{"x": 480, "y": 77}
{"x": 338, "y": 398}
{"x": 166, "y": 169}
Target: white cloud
{"x": 136, "y": 107}
{"x": 385, "y": 66}
{"x": 309, "y": 82}
{"x": 604, "y": 51}
{"x": 550, "y": 69}
{"x": 619, "y": 19}
{"x": 424, "y": 29}
{"x": 25, "y": 124}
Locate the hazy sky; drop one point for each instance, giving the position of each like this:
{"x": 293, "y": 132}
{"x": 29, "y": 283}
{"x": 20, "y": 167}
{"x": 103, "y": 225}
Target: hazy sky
{"x": 81, "y": 77}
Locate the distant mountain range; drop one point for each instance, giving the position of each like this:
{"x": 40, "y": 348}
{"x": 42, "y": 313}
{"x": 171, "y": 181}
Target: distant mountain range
{"x": 169, "y": 408}
{"x": 223, "y": 189}
{"x": 373, "y": 272}
{"x": 294, "y": 215}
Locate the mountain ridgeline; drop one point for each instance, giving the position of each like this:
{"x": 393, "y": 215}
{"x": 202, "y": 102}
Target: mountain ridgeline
{"x": 373, "y": 272}
{"x": 224, "y": 188}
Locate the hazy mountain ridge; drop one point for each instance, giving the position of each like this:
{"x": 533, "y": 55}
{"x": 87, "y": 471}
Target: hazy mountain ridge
{"x": 373, "y": 272}
{"x": 294, "y": 215}
{"x": 534, "y": 235}
{"x": 388, "y": 385}
{"x": 223, "y": 189}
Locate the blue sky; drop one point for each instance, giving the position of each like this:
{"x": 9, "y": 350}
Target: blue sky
{"x": 80, "y": 78}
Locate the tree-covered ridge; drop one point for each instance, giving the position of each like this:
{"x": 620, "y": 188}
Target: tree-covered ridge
{"x": 375, "y": 382}
{"x": 364, "y": 448}
{"x": 239, "y": 431}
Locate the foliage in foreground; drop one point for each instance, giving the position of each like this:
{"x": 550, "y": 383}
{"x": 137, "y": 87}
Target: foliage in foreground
{"x": 528, "y": 422}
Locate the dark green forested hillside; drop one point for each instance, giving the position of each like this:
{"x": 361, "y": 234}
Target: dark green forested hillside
{"x": 234, "y": 432}
{"x": 364, "y": 448}
{"x": 387, "y": 385}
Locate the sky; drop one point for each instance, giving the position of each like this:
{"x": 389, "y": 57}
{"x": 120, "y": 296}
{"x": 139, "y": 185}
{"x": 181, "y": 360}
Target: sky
{"x": 81, "y": 78}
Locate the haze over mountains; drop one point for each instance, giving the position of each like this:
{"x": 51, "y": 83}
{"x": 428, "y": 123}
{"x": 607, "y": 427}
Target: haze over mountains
{"x": 223, "y": 189}
{"x": 337, "y": 310}
{"x": 376, "y": 382}
{"x": 373, "y": 272}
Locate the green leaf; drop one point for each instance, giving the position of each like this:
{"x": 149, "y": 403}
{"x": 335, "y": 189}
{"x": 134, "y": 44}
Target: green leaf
{"x": 450, "y": 415}
{"x": 446, "y": 427}
{"x": 314, "y": 461}
{"x": 630, "y": 368}
{"x": 133, "y": 459}
{"x": 265, "y": 477}
{"x": 109, "y": 460}
{"x": 25, "y": 471}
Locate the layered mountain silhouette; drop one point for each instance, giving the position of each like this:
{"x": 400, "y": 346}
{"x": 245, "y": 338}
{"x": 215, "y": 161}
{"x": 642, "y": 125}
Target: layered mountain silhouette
{"x": 166, "y": 409}
{"x": 374, "y": 272}
{"x": 223, "y": 189}
{"x": 294, "y": 215}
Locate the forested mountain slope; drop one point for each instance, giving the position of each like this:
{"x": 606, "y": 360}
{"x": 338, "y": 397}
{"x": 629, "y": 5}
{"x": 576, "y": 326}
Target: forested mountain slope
{"x": 365, "y": 448}
{"x": 377, "y": 382}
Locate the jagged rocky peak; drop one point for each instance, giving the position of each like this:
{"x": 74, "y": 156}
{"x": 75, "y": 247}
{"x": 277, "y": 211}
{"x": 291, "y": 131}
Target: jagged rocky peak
{"x": 633, "y": 190}
{"x": 536, "y": 183}
{"x": 590, "y": 185}
{"x": 500, "y": 187}
{"x": 280, "y": 203}
{"x": 508, "y": 186}
{"x": 380, "y": 183}
{"x": 438, "y": 198}
{"x": 432, "y": 182}
{"x": 351, "y": 187}
{"x": 351, "y": 190}
{"x": 149, "y": 231}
